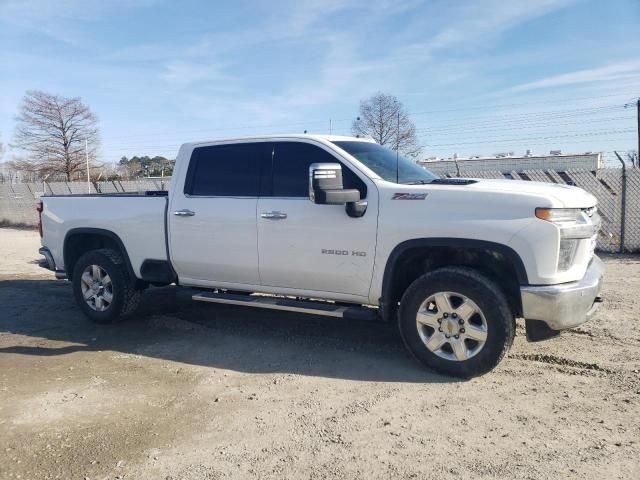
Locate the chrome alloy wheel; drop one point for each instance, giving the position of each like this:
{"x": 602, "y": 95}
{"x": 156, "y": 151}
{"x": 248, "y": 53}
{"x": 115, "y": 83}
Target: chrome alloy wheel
{"x": 451, "y": 326}
{"x": 97, "y": 289}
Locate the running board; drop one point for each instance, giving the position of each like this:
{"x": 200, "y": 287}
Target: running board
{"x": 288, "y": 305}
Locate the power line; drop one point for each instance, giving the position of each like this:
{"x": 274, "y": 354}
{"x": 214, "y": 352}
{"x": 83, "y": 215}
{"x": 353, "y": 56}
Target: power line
{"x": 543, "y": 115}
{"x": 532, "y": 116}
{"x": 533, "y": 128}
{"x": 561, "y": 100}
{"x": 531, "y": 139}
{"x": 526, "y": 120}
{"x": 323, "y": 121}
{"x": 507, "y": 134}
{"x": 509, "y": 128}
{"x": 554, "y": 144}
{"x": 486, "y": 123}
{"x": 505, "y": 106}
{"x": 575, "y": 112}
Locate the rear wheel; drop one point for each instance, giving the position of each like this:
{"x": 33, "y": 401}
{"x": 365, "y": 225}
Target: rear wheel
{"x": 103, "y": 288}
{"x": 456, "y": 321}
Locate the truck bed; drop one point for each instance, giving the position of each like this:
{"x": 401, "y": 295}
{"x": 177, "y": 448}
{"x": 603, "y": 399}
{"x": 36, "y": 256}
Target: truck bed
{"x": 138, "y": 220}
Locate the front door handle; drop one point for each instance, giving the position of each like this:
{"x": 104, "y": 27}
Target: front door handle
{"x": 184, "y": 213}
{"x": 274, "y": 215}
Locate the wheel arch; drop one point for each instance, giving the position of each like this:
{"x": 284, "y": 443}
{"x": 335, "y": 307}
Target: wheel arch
{"x": 412, "y": 258}
{"x": 78, "y": 241}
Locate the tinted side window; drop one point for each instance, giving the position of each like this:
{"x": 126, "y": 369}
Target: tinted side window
{"x": 291, "y": 162}
{"x": 225, "y": 170}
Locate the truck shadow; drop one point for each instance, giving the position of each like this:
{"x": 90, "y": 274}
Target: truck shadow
{"x": 170, "y": 326}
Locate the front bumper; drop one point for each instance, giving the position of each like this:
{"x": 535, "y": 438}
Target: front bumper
{"x": 565, "y": 305}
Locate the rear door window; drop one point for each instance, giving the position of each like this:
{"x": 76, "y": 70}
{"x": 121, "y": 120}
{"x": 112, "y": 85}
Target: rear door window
{"x": 225, "y": 170}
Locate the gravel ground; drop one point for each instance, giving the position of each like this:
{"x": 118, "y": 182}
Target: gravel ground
{"x": 197, "y": 391}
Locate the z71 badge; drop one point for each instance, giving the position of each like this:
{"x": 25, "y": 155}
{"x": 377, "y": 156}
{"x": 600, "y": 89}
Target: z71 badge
{"x": 409, "y": 196}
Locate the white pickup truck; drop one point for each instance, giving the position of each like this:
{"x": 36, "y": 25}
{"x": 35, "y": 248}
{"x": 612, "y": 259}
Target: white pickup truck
{"x": 340, "y": 226}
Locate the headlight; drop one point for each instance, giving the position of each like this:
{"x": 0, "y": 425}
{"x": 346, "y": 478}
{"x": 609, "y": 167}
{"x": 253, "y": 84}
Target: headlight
{"x": 574, "y": 224}
{"x": 559, "y": 215}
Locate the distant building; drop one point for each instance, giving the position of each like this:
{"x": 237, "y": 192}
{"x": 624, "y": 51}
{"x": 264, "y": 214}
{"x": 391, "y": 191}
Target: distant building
{"x": 508, "y": 162}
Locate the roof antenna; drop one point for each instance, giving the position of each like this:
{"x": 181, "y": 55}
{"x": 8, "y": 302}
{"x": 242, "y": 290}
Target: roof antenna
{"x": 397, "y": 150}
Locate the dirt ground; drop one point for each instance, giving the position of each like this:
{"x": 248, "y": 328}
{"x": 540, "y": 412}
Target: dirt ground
{"x": 197, "y": 391}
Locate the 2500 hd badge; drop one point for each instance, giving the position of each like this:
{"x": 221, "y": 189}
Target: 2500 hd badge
{"x": 354, "y": 253}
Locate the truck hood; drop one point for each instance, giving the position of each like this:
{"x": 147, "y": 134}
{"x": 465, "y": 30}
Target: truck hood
{"x": 563, "y": 195}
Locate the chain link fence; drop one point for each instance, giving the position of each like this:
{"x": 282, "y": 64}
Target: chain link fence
{"x": 619, "y": 207}
{"x": 18, "y": 200}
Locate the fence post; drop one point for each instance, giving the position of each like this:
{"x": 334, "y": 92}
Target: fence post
{"x": 623, "y": 211}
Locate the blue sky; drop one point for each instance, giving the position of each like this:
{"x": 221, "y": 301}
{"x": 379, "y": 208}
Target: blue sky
{"x": 479, "y": 76}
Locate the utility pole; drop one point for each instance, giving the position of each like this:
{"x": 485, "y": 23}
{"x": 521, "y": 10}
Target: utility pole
{"x": 330, "y": 127}
{"x": 86, "y": 156}
{"x": 638, "y": 121}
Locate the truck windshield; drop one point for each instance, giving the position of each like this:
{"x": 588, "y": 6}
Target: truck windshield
{"x": 385, "y": 163}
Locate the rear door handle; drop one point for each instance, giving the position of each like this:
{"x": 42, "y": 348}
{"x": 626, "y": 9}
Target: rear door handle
{"x": 274, "y": 215}
{"x": 184, "y": 213}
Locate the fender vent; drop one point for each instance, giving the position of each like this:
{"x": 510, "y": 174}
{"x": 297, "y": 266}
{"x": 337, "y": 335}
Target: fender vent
{"x": 452, "y": 181}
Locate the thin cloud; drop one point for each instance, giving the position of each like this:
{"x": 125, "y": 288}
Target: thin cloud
{"x": 476, "y": 25}
{"x": 60, "y": 20}
{"x": 183, "y": 73}
{"x": 608, "y": 73}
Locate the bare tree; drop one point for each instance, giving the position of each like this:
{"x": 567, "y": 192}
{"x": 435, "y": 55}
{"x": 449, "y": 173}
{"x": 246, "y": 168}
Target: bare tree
{"x": 9, "y": 172}
{"x": 53, "y": 130}
{"x": 383, "y": 118}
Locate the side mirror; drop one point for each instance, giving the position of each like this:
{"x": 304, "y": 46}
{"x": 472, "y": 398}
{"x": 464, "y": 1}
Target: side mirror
{"x": 325, "y": 185}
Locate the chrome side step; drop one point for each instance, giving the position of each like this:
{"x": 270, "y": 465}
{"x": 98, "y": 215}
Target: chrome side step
{"x": 288, "y": 305}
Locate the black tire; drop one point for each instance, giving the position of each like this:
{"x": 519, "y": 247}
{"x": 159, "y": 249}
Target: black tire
{"x": 126, "y": 296}
{"x": 489, "y": 299}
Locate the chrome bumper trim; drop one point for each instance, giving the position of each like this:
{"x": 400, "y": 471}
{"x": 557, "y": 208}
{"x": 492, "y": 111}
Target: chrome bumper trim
{"x": 565, "y": 305}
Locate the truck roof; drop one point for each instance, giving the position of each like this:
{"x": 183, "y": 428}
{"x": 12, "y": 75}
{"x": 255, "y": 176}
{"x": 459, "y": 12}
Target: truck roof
{"x": 285, "y": 136}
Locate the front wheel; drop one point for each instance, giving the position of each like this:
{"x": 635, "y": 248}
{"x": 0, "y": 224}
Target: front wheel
{"x": 456, "y": 321}
{"x": 103, "y": 288}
